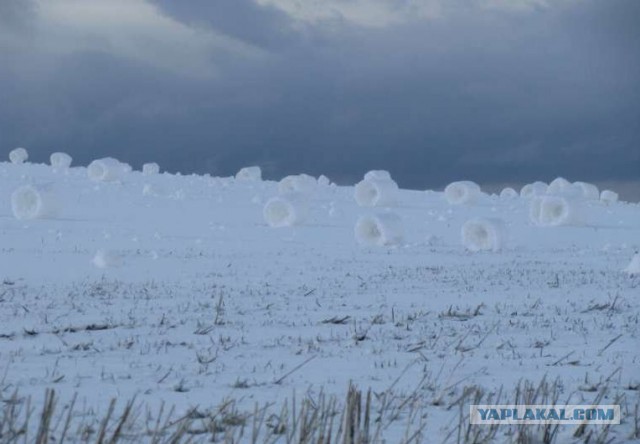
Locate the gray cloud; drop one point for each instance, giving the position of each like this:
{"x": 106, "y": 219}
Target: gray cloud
{"x": 489, "y": 94}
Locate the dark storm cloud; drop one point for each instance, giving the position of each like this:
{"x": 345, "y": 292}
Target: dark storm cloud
{"x": 493, "y": 96}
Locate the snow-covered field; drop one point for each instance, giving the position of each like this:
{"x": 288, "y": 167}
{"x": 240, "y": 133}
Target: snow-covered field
{"x": 175, "y": 290}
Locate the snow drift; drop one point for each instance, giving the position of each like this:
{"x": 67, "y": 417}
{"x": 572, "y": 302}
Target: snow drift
{"x": 249, "y": 173}
{"x": 18, "y": 155}
{"x": 107, "y": 169}
{"x": 285, "y": 211}
{"x": 150, "y": 168}
{"x": 384, "y": 229}
{"x": 554, "y": 211}
{"x": 483, "y": 234}
{"x": 31, "y": 202}
{"x": 301, "y": 183}
{"x": 60, "y": 161}
{"x": 462, "y": 192}
{"x": 376, "y": 193}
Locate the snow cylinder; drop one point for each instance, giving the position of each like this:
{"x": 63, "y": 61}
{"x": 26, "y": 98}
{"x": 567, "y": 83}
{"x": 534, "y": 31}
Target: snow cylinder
{"x": 508, "y": 194}
{"x": 377, "y": 175}
{"x": 60, "y": 161}
{"x": 481, "y": 234}
{"x": 558, "y": 186}
{"x": 608, "y": 196}
{"x": 376, "y": 193}
{"x": 300, "y": 183}
{"x": 249, "y": 173}
{"x": 150, "y": 168}
{"x": 462, "y": 192}
{"x": 31, "y": 202}
{"x": 589, "y": 190}
{"x": 554, "y": 211}
{"x": 18, "y": 156}
{"x": 383, "y": 229}
{"x": 534, "y": 189}
{"x": 106, "y": 169}
{"x": 285, "y": 211}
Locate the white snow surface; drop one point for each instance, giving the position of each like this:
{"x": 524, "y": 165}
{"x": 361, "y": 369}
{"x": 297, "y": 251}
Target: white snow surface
{"x": 206, "y": 294}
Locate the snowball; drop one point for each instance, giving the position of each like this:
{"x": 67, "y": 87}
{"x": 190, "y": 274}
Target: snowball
{"x": 106, "y": 259}
{"x": 462, "y": 192}
{"x": 376, "y": 193}
{"x": 31, "y": 202}
{"x": 589, "y": 190}
{"x": 285, "y": 211}
{"x": 18, "y": 155}
{"x": 533, "y": 189}
{"x": 508, "y": 194}
{"x": 633, "y": 269}
{"x": 377, "y": 175}
{"x": 150, "y": 168}
{"x": 380, "y": 229}
{"x": 483, "y": 234}
{"x": 250, "y": 173}
{"x": 554, "y": 211}
{"x": 302, "y": 183}
{"x": 558, "y": 186}
{"x": 107, "y": 169}
{"x": 60, "y": 161}
{"x": 608, "y": 196}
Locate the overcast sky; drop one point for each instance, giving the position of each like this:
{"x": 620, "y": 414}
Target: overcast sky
{"x": 496, "y": 91}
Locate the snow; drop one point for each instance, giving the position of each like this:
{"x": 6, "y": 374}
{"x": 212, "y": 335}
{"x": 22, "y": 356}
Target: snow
{"x": 33, "y": 202}
{"x": 150, "y": 168}
{"x": 60, "y": 161}
{"x": 200, "y": 301}
{"x": 552, "y": 211}
{"x": 382, "y": 229}
{"x": 252, "y": 173}
{"x": 376, "y": 193}
{"x": 285, "y": 211}
{"x": 482, "y": 234}
{"x": 107, "y": 169}
{"x": 377, "y": 175}
{"x": 534, "y": 189}
{"x": 558, "y": 186}
{"x": 508, "y": 193}
{"x": 301, "y": 183}
{"x": 608, "y": 196}
{"x": 462, "y": 192}
{"x": 589, "y": 190}
{"x": 633, "y": 268}
{"x": 106, "y": 259}
{"x": 18, "y": 155}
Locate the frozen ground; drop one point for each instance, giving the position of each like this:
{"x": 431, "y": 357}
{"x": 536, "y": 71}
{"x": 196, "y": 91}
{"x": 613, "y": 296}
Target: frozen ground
{"x": 199, "y": 302}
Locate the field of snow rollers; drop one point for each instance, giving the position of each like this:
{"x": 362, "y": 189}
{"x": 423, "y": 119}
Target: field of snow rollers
{"x": 143, "y": 306}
